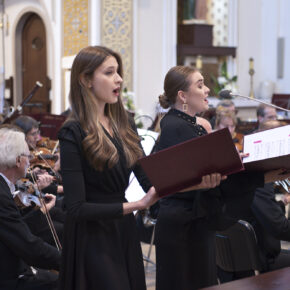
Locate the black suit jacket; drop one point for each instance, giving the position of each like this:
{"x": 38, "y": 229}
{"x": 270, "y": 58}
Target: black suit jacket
{"x": 18, "y": 245}
{"x": 270, "y": 222}
{"x": 267, "y": 216}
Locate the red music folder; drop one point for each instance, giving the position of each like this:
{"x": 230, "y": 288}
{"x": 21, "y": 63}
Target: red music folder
{"x": 269, "y": 149}
{"x": 181, "y": 166}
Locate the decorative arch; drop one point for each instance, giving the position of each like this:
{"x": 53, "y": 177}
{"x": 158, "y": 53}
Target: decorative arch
{"x": 16, "y": 46}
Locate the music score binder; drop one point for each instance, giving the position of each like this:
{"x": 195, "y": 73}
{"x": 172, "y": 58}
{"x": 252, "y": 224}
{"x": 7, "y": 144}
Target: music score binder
{"x": 268, "y": 150}
{"x": 183, "y": 165}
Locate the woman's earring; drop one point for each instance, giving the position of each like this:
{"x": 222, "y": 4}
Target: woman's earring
{"x": 184, "y": 107}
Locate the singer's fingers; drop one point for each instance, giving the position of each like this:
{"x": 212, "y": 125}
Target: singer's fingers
{"x": 206, "y": 180}
{"x": 242, "y": 155}
{"x": 215, "y": 179}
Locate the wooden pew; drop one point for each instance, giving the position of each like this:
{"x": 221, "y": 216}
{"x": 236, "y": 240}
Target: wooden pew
{"x": 275, "y": 280}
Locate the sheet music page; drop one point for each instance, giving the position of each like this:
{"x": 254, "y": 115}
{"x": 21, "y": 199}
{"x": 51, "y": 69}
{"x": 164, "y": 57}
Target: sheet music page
{"x": 267, "y": 144}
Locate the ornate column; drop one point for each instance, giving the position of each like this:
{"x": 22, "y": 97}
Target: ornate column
{"x": 75, "y": 26}
{"x": 116, "y": 33}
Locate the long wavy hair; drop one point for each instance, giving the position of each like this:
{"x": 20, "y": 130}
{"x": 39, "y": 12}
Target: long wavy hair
{"x": 99, "y": 149}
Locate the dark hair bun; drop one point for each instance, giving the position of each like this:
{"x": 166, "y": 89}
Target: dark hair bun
{"x": 164, "y": 102}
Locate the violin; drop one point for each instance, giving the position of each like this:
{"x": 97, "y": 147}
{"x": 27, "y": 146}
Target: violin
{"x": 42, "y": 157}
{"x": 238, "y": 140}
{"x": 28, "y": 194}
{"x": 25, "y": 195}
{"x": 46, "y": 142}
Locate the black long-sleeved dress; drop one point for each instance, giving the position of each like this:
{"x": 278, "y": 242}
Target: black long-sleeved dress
{"x": 101, "y": 248}
{"x": 186, "y": 223}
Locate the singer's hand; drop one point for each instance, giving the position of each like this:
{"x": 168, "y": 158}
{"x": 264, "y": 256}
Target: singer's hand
{"x": 208, "y": 181}
{"x": 150, "y": 198}
{"x": 243, "y": 155}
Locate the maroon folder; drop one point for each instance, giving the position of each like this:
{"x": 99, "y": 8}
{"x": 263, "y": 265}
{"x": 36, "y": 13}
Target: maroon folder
{"x": 269, "y": 164}
{"x": 181, "y": 166}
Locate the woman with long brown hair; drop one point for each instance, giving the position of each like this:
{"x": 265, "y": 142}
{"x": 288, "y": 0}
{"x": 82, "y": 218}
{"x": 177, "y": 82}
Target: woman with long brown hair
{"x": 99, "y": 149}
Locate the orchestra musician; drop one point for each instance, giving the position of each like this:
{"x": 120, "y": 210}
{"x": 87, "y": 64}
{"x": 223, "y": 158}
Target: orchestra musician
{"x": 225, "y": 104}
{"x": 32, "y": 133}
{"x": 30, "y": 128}
{"x": 18, "y": 246}
{"x": 40, "y": 170}
{"x": 99, "y": 148}
{"x": 187, "y": 220}
{"x": 267, "y": 216}
{"x": 265, "y": 113}
{"x": 227, "y": 119}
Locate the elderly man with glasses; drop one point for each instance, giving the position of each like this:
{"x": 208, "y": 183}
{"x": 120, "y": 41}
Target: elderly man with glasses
{"x": 18, "y": 246}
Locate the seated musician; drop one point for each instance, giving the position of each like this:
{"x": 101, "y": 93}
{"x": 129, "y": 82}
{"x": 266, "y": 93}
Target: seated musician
{"x": 267, "y": 216}
{"x": 227, "y": 119}
{"x": 30, "y": 127}
{"x": 18, "y": 246}
{"x": 265, "y": 113}
{"x": 225, "y": 104}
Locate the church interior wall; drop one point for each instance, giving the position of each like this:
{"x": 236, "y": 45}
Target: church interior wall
{"x": 260, "y": 24}
{"x": 50, "y": 15}
{"x": 254, "y": 27}
{"x": 155, "y": 50}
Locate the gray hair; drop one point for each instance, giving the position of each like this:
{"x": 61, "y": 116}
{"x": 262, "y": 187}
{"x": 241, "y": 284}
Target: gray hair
{"x": 12, "y": 145}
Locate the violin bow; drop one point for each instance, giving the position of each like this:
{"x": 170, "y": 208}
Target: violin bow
{"x": 55, "y": 146}
{"x": 46, "y": 213}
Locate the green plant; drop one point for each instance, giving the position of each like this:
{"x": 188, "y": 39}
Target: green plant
{"x": 127, "y": 98}
{"x": 223, "y": 81}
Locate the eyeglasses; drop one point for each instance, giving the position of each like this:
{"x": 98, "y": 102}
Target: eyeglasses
{"x": 29, "y": 156}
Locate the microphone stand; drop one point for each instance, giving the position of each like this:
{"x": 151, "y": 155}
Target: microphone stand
{"x": 259, "y": 101}
{"x": 228, "y": 93}
{"x": 10, "y": 116}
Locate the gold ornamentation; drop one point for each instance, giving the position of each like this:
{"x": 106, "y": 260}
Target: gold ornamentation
{"x": 75, "y": 26}
{"x": 117, "y": 33}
